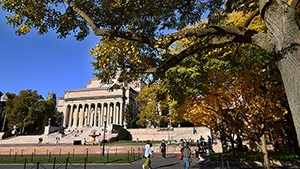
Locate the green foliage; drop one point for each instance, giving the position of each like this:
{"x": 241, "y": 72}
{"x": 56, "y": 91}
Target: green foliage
{"x": 254, "y": 156}
{"x": 153, "y": 104}
{"x": 72, "y": 159}
{"x": 130, "y": 118}
{"x": 28, "y": 111}
{"x": 123, "y": 134}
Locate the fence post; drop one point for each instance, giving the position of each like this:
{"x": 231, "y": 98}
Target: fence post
{"x": 31, "y": 160}
{"x": 133, "y": 154}
{"x": 25, "y": 163}
{"x": 15, "y": 157}
{"x": 87, "y": 153}
{"x": 49, "y": 159}
{"x": 139, "y": 150}
{"x": 128, "y": 156}
{"x": 54, "y": 161}
{"x": 107, "y": 156}
{"x": 22, "y": 153}
{"x": 67, "y": 161}
{"x": 85, "y": 161}
{"x": 38, "y": 165}
{"x": 59, "y": 152}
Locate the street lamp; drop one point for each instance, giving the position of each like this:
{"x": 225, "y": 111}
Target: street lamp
{"x": 104, "y": 130}
{"x": 3, "y": 101}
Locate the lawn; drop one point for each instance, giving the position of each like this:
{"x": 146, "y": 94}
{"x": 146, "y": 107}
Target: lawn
{"x": 255, "y": 156}
{"x": 65, "y": 159}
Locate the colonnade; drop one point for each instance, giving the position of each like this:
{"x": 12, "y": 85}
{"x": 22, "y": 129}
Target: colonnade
{"x": 93, "y": 114}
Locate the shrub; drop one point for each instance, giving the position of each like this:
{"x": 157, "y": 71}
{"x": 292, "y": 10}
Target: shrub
{"x": 7, "y": 134}
{"x": 123, "y": 134}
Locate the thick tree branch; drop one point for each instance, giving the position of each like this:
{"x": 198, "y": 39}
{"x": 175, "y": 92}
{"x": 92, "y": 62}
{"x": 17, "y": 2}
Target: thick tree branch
{"x": 258, "y": 39}
{"x": 176, "y": 59}
{"x": 112, "y": 33}
{"x": 262, "y": 6}
{"x": 202, "y": 32}
{"x": 251, "y": 17}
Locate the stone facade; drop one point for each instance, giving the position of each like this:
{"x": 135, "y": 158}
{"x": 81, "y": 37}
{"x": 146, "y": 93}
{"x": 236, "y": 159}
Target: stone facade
{"x": 97, "y": 103}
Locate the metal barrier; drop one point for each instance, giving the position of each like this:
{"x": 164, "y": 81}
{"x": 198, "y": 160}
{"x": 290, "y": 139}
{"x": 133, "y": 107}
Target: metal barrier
{"x": 131, "y": 156}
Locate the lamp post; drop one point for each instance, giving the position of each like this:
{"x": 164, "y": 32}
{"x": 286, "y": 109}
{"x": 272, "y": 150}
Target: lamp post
{"x": 169, "y": 128}
{"x": 3, "y": 101}
{"x": 104, "y": 130}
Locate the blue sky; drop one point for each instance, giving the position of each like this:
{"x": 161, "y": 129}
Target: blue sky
{"x": 43, "y": 62}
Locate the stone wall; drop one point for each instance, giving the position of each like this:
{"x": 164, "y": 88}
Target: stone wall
{"x": 174, "y": 135}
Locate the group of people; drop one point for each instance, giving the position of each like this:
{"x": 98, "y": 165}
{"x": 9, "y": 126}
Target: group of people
{"x": 185, "y": 152}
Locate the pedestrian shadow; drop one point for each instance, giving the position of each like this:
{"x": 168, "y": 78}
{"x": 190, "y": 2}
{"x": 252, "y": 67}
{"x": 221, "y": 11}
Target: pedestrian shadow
{"x": 166, "y": 165}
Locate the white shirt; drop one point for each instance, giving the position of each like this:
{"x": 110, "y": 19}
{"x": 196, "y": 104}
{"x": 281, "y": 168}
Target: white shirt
{"x": 147, "y": 150}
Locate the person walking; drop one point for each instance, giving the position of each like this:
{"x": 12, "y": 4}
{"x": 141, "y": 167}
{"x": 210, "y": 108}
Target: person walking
{"x": 162, "y": 147}
{"x": 147, "y": 155}
{"x": 186, "y": 153}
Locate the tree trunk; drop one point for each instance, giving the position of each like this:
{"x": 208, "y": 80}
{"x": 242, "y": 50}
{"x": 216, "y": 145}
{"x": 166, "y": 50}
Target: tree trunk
{"x": 266, "y": 160}
{"x": 282, "y": 27}
{"x": 290, "y": 71}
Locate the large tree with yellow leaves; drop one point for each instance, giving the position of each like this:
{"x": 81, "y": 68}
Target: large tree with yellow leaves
{"x": 133, "y": 33}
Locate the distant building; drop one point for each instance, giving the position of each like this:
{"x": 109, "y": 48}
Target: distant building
{"x": 98, "y": 101}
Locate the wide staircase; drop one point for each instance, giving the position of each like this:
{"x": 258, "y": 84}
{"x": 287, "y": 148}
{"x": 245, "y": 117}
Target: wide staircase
{"x": 71, "y": 136}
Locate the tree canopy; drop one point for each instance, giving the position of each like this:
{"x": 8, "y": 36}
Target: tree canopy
{"x": 28, "y": 111}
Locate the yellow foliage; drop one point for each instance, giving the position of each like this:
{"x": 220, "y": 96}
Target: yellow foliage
{"x": 108, "y": 50}
{"x": 24, "y": 29}
{"x": 239, "y": 19}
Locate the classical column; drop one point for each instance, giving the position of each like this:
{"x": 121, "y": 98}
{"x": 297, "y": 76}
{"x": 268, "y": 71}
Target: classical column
{"x": 71, "y": 116}
{"x": 118, "y": 113}
{"x": 122, "y": 112}
{"x": 111, "y": 109}
{"x": 99, "y": 115}
{"x": 81, "y": 116}
{"x": 95, "y": 115}
{"x": 104, "y": 113}
{"x": 115, "y": 114}
{"x": 76, "y": 116}
{"x": 89, "y": 115}
{"x": 66, "y": 112}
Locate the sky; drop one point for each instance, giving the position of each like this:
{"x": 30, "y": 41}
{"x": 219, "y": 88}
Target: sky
{"x": 43, "y": 62}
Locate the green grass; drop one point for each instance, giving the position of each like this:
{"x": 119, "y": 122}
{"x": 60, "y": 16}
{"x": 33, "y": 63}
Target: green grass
{"x": 125, "y": 142}
{"x": 254, "y": 156}
{"x": 71, "y": 159}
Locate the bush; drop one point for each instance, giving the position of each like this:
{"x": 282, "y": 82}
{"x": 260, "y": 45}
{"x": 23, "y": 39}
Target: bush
{"x": 123, "y": 134}
{"x": 7, "y": 134}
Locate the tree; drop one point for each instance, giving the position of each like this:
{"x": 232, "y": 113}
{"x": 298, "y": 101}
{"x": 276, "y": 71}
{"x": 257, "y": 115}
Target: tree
{"x": 29, "y": 112}
{"x": 137, "y": 28}
{"x": 153, "y": 106}
{"x": 247, "y": 106}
